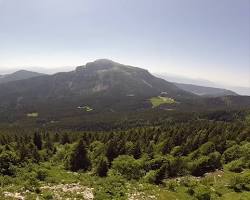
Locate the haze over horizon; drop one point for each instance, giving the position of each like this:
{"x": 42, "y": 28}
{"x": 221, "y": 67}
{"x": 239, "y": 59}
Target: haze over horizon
{"x": 197, "y": 39}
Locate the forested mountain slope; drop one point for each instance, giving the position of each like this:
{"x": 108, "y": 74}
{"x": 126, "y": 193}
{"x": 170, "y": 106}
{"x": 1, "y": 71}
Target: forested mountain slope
{"x": 98, "y": 87}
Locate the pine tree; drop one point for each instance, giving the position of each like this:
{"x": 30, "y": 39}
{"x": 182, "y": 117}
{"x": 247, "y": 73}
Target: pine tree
{"x": 150, "y": 150}
{"x": 23, "y": 151}
{"x": 56, "y": 138}
{"x": 48, "y": 143}
{"x": 102, "y": 167}
{"x": 78, "y": 159}
{"x": 161, "y": 174}
{"x": 65, "y": 139}
{"x": 33, "y": 153}
{"x": 38, "y": 141}
{"x": 137, "y": 151}
{"x": 111, "y": 152}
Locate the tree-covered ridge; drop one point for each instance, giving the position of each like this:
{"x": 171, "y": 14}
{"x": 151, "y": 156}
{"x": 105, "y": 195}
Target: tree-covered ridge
{"x": 102, "y": 86}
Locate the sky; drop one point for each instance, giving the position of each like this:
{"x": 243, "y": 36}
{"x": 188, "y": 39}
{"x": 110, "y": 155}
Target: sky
{"x": 207, "y": 39}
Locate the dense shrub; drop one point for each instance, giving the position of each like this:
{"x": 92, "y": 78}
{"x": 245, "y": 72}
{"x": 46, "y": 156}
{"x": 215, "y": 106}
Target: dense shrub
{"x": 240, "y": 182}
{"x": 156, "y": 163}
{"x": 172, "y": 185}
{"x": 199, "y": 166}
{"x": 235, "y": 166}
{"x": 207, "y": 148}
{"x": 202, "y": 193}
{"x": 111, "y": 187}
{"x": 41, "y": 175}
{"x": 177, "y": 151}
{"x": 176, "y": 167}
{"x": 231, "y": 154}
{"x": 150, "y": 177}
{"x": 205, "y": 164}
{"x": 8, "y": 160}
{"x": 128, "y": 167}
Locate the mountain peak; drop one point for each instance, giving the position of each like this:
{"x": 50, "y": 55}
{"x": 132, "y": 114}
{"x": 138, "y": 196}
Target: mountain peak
{"x": 109, "y": 65}
{"x": 104, "y": 61}
{"x": 19, "y": 75}
{"x": 23, "y": 71}
{"x": 99, "y": 65}
{"x": 102, "y": 64}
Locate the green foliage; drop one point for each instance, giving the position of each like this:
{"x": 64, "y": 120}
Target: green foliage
{"x": 200, "y": 166}
{"x": 236, "y": 166}
{"x": 176, "y": 151}
{"x": 215, "y": 160}
{"x": 128, "y": 167}
{"x": 240, "y": 182}
{"x": 41, "y": 175}
{"x": 137, "y": 151}
{"x": 112, "y": 187}
{"x": 205, "y": 164}
{"x": 172, "y": 185}
{"x": 176, "y": 167}
{"x": 127, "y": 160}
{"x": 31, "y": 184}
{"x": 65, "y": 138}
{"x": 8, "y": 160}
{"x": 33, "y": 153}
{"x": 38, "y": 141}
{"x": 5, "y": 181}
{"x": 155, "y": 163}
{"x": 161, "y": 174}
{"x": 207, "y": 148}
{"x": 150, "y": 177}
{"x": 78, "y": 158}
{"x": 245, "y": 149}
{"x": 48, "y": 196}
{"x": 231, "y": 154}
{"x": 202, "y": 193}
{"x": 102, "y": 167}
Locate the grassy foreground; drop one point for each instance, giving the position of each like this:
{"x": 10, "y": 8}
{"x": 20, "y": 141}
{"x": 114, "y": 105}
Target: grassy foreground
{"x": 46, "y": 181}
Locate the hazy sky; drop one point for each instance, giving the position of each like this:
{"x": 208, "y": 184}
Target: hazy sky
{"x": 197, "y": 38}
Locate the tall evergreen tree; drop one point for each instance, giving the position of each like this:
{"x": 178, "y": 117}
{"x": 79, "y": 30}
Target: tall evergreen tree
{"x": 65, "y": 139}
{"x": 78, "y": 159}
{"x": 38, "y": 141}
{"x": 102, "y": 167}
{"x": 33, "y": 153}
{"x": 111, "y": 152}
{"x": 137, "y": 151}
{"x": 161, "y": 174}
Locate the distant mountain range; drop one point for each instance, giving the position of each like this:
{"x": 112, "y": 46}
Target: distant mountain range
{"x": 19, "y": 75}
{"x": 103, "y": 86}
{"x": 215, "y": 89}
{"x": 205, "y": 91}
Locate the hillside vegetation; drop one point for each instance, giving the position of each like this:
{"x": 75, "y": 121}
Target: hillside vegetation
{"x": 106, "y": 87}
{"x": 197, "y": 159}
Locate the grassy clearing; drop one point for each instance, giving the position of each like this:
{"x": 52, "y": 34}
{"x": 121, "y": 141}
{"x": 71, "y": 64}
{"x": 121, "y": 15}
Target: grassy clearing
{"x": 32, "y": 114}
{"x": 157, "y": 101}
{"x": 86, "y": 108}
